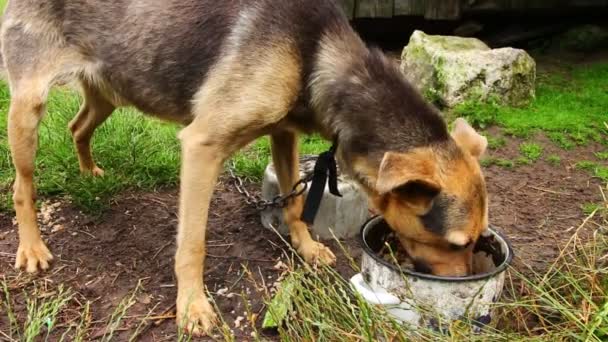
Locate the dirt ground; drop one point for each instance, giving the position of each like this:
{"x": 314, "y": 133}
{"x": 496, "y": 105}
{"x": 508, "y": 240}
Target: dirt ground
{"x": 103, "y": 258}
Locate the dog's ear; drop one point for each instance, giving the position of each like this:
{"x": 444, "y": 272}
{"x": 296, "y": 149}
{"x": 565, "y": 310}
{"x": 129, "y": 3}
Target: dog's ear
{"x": 467, "y": 138}
{"x": 411, "y": 176}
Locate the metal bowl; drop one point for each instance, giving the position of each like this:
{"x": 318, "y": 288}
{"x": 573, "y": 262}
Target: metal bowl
{"x": 428, "y": 300}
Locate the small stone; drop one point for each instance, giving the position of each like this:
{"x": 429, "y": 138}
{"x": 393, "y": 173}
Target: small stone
{"x": 57, "y": 228}
{"x": 144, "y": 299}
{"x": 280, "y": 265}
{"x": 237, "y": 321}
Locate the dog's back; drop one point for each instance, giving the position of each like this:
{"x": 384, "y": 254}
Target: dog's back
{"x": 156, "y": 54}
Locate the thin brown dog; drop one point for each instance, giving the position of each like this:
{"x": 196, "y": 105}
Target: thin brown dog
{"x": 231, "y": 71}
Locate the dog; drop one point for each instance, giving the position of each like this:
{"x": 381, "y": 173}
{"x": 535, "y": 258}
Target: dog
{"x": 232, "y": 71}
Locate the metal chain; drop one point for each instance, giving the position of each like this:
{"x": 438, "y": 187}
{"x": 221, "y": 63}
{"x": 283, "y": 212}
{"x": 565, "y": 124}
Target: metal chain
{"x": 261, "y": 204}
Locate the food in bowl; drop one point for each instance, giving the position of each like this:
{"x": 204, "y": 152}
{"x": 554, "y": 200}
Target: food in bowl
{"x": 486, "y": 253}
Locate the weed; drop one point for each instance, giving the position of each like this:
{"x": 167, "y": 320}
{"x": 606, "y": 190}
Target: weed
{"x": 43, "y": 315}
{"x": 586, "y": 165}
{"x": 531, "y": 151}
{"x": 433, "y": 96}
{"x": 477, "y": 113}
{"x": 494, "y": 143}
{"x": 8, "y": 308}
{"x": 554, "y": 160}
{"x": 521, "y": 161}
{"x": 561, "y": 140}
{"x": 602, "y": 155}
{"x": 589, "y": 208}
{"x": 601, "y": 172}
{"x": 505, "y": 163}
{"x": 598, "y": 171}
{"x": 119, "y": 313}
{"x": 83, "y": 326}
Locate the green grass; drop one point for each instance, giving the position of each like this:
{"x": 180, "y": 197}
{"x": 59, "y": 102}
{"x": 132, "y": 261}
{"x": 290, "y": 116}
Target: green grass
{"x": 136, "y": 152}
{"x": 53, "y": 314}
{"x": 597, "y": 170}
{"x": 554, "y": 160}
{"x": 602, "y": 155}
{"x": 521, "y": 161}
{"x": 505, "y": 163}
{"x": 252, "y": 161}
{"x": 571, "y": 107}
{"x": 495, "y": 143}
{"x": 586, "y": 165}
{"x": 42, "y": 315}
{"x": 589, "y": 208}
{"x": 531, "y": 151}
{"x": 561, "y": 140}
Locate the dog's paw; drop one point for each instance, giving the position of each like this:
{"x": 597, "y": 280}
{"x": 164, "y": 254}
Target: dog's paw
{"x": 195, "y": 316}
{"x": 33, "y": 255}
{"x": 316, "y": 253}
{"x": 96, "y": 171}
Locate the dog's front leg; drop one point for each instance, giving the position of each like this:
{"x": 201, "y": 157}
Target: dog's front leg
{"x": 285, "y": 158}
{"x": 201, "y": 165}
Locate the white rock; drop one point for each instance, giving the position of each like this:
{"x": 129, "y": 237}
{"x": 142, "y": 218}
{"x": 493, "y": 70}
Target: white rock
{"x": 343, "y": 215}
{"x": 452, "y": 70}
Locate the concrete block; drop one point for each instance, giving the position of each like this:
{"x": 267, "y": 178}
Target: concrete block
{"x": 343, "y": 215}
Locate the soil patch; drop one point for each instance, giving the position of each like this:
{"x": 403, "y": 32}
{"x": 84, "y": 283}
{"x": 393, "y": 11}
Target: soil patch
{"x": 104, "y": 258}
{"x": 539, "y": 206}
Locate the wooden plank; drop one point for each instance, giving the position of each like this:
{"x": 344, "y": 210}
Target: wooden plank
{"x": 491, "y": 5}
{"x": 374, "y": 9}
{"x": 349, "y": 7}
{"x": 442, "y": 9}
{"x": 522, "y": 5}
{"x": 410, "y": 7}
{"x": 587, "y": 3}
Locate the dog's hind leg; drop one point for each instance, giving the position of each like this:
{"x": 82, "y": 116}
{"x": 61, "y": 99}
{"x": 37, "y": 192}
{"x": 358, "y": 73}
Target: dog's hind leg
{"x": 34, "y": 59}
{"x": 26, "y": 110}
{"x": 285, "y": 158}
{"x": 94, "y": 111}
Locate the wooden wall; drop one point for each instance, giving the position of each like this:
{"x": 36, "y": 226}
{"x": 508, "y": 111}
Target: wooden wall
{"x": 451, "y": 9}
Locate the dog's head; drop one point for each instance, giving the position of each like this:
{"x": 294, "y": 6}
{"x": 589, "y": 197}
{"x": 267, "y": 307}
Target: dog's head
{"x": 435, "y": 199}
